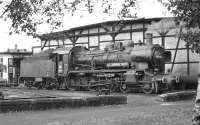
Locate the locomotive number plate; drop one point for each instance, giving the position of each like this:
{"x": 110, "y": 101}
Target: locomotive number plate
{"x": 38, "y": 79}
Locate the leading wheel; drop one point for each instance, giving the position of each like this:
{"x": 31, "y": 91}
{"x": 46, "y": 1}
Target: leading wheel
{"x": 123, "y": 88}
{"x": 114, "y": 87}
{"x": 148, "y": 88}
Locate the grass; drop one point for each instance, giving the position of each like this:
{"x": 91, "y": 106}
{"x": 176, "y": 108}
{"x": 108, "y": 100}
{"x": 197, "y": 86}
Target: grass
{"x": 177, "y": 116}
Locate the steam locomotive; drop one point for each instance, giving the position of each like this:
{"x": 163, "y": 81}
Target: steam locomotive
{"x": 116, "y": 68}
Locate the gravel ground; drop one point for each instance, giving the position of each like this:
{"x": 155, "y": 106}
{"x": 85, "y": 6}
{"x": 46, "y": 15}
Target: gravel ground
{"x": 140, "y": 110}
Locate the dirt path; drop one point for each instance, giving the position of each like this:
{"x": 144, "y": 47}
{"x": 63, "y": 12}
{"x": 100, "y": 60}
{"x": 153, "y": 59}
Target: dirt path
{"x": 140, "y": 110}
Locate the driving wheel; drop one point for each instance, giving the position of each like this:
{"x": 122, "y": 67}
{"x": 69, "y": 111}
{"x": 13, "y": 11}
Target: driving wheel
{"x": 123, "y": 88}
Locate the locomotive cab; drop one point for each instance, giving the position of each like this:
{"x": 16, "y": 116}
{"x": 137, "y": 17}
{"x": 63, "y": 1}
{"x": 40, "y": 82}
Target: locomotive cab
{"x": 61, "y": 57}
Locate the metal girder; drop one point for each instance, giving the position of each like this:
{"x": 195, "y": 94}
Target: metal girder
{"x": 73, "y": 38}
{"x": 113, "y": 32}
{"x": 176, "y": 49}
{"x": 42, "y": 47}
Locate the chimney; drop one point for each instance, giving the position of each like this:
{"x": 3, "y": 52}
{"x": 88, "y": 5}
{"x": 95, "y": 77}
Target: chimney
{"x": 149, "y": 38}
{"x": 15, "y": 46}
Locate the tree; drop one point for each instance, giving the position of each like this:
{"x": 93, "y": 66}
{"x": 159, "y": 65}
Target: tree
{"x": 187, "y": 13}
{"x": 162, "y": 27}
{"x": 26, "y": 15}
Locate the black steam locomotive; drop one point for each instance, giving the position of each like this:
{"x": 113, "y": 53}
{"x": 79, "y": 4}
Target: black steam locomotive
{"x": 117, "y": 67}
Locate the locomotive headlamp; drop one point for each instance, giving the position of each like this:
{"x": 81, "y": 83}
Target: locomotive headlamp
{"x": 164, "y": 80}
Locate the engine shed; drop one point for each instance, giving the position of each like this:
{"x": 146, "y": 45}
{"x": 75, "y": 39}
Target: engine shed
{"x": 99, "y": 35}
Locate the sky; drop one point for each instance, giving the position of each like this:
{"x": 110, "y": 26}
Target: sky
{"x": 146, "y": 9}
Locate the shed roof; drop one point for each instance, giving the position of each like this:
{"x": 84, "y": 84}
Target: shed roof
{"x": 62, "y": 50}
{"x": 62, "y": 34}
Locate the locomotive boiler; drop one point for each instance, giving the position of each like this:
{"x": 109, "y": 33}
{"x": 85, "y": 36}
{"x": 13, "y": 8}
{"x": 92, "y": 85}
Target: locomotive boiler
{"x": 118, "y": 67}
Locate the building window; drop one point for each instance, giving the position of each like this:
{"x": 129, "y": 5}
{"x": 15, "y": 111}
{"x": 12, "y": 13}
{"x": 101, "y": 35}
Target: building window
{"x": 1, "y": 73}
{"x": 60, "y": 57}
{"x": 10, "y": 61}
{"x": 10, "y": 70}
{"x": 1, "y": 60}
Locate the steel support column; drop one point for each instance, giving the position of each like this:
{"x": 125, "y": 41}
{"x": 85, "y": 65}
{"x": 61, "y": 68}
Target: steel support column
{"x": 188, "y": 60}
